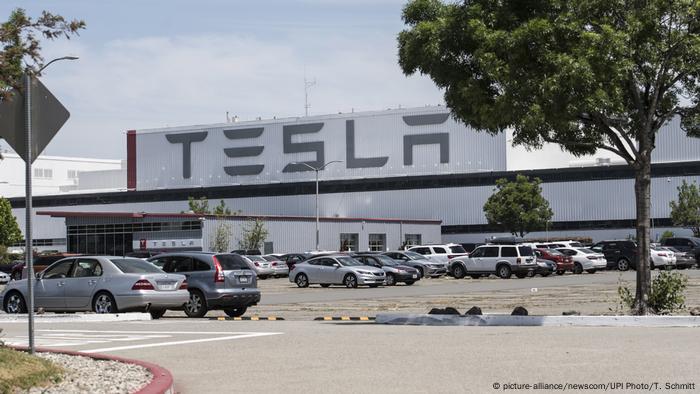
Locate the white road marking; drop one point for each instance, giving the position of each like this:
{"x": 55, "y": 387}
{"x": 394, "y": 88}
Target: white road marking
{"x": 251, "y": 335}
{"x": 64, "y": 338}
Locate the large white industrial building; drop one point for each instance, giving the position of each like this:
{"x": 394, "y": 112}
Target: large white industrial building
{"x": 402, "y": 164}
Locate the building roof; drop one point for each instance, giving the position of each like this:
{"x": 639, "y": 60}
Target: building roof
{"x": 141, "y": 215}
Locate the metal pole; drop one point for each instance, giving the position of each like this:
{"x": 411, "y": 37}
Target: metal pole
{"x": 317, "y": 209}
{"x": 28, "y": 250}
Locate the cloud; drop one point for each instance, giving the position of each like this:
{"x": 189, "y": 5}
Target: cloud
{"x": 174, "y": 81}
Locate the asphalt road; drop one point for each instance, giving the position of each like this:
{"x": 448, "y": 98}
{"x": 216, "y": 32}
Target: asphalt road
{"x": 313, "y": 357}
{"x": 281, "y": 291}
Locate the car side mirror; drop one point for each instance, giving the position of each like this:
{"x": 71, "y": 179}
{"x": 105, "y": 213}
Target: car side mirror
{"x": 39, "y": 275}
{"x": 336, "y": 265}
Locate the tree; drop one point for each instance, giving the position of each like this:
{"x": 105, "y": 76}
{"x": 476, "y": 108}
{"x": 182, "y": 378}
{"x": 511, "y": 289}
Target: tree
{"x": 222, "y": 238}
{"x": 198, "y": 206}
{"x": 21, "y": 46}
{"x": 9, "y": 229}
{"x": 588, "y": 75}
{"x": 254, "y": 234}
{"x": 686, "y": 212}
{"x": 518, "y": 206}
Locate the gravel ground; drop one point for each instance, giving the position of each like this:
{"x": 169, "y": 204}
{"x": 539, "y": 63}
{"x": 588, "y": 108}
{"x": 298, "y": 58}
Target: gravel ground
{"x": 86, "y": 375}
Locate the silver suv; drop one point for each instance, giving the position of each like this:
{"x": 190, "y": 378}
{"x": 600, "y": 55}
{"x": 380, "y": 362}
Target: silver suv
{"x": 440, "y": 253}
{"x": 215, "y": 281}
{"x": 502, "y": 260}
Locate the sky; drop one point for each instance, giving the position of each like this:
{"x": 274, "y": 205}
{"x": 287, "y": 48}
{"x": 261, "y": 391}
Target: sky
{"x": 148, "y": 64}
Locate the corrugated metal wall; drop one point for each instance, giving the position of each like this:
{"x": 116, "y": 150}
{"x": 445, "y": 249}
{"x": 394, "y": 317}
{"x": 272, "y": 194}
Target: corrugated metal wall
{"x": 377, "y": 134}
{"x": 673, "y": 144}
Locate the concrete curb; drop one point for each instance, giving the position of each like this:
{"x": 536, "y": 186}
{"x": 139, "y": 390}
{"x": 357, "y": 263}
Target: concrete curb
{"x": 76, "y": 318}
{"x": 537, "y": 321}
{"x": 162, "y": 382}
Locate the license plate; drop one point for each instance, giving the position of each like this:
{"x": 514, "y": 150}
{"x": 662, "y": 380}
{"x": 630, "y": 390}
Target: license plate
{"x": 166, "y": 285}
{"x": 243, "y": 279}
{"x": 415, "y": 276}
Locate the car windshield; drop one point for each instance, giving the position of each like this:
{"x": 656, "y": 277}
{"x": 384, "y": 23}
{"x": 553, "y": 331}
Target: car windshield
{"x": 386, "y": 260}
{"x": 255, "y": 258}
{"x": 586, "y": 250}
{"x": 348, "y": 261}
{"x": 576, "y": 244}
{"x": 230, "y": 262}
{"x": 136, "y": 266}
{"x": 270, "y": 258}
{"x": 672, "y": 249}
{"x": 457, "y": 249}
{"x": 415, "y": 256}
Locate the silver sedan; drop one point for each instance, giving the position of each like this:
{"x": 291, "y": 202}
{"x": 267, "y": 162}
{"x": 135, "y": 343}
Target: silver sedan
{"x": 99, "y": 284}
{"x": 336, "y": 269}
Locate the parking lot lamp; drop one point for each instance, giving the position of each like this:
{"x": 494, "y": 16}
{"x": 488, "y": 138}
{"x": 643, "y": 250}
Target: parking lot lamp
{"x": 317, "y": 169}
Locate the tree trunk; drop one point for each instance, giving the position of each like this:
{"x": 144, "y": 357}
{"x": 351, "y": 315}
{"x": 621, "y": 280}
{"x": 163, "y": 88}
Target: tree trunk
{"x": 642, "y": 191}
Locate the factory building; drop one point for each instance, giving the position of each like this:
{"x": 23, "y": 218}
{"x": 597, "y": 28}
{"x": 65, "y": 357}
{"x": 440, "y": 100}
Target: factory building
{"x": 415, "y": 164}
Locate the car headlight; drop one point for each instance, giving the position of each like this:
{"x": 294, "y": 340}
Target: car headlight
{"x": 364, "y": 273}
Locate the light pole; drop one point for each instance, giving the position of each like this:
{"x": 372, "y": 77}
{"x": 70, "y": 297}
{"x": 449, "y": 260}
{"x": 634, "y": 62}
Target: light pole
{"x": 28, "y": 251}
{"x": 317, "y": 169}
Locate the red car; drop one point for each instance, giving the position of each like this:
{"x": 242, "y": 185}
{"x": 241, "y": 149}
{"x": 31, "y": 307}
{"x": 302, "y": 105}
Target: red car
{"x": 564, "y": 263}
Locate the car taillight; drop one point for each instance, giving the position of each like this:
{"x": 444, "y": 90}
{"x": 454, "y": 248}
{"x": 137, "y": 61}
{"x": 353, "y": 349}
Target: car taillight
{"x": 662, "y": 254}
{"x": 142, "y": 284}
{"x": 257, "y": 264}
{"x": 274, "y": 264}
{"x": 517, "y": 260}
{"x": 183, "y": 286}
{"x": 451, "y": 256}
{"x": 219, "y": 273}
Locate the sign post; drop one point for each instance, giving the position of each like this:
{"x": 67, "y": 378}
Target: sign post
{"x": 35, "y": 108}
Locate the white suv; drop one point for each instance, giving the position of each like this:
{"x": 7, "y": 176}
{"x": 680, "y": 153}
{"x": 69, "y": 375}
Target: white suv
{"x": 501, "y": 260}
{"x": 440, "y": 253}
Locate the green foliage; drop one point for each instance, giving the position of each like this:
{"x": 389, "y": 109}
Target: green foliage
{"x": 686, "y": 212}
{"x": 20, "y": 38}
{"x": 9, "y": 229}
{"x": 667, "y": 234}
{"x": 222, "y": 238}
{"x": 518, "y": 206}
{"x": 222, "y": 209}
{"x": 253, "y": 235}
{"x": 667, "y": 293}
{"x": 199, "y": 206}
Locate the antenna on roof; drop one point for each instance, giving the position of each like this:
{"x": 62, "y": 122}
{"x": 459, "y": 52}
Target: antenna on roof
{"x": 307, "y": 85}
{"x": 228, "y": 120}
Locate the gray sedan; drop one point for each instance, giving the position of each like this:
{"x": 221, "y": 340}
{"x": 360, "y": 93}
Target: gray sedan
{"x": 426, "y": 267}
{"x": 335, "y": 270}
{"x": 99, "y": 284}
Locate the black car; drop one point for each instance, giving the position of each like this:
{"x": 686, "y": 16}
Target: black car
{"x": 620, "y": 254}
{"x": 395, "y": 271}
{"x": 689, "y": 245}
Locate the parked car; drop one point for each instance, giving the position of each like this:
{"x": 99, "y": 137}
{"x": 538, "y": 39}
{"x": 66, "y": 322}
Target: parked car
{"x": 278, "y": 265}
{"x": 39, "y": 262}
{"x": 216, "y": 281}
{"x": 247, "y": 252}
{"x": 585, "y": 260}
{"x": 426, "y": 267}
{"x": 263, "y": 268}
{"x": 545, "y": 267}
{"x": 563, "y": 262}
{"x": 99, "y": 284}
{"x": 7, "y": 268}
{"x": 4, "y": 278}
{"x": 469, "y": 246}
{"x": 393, "y": 270}
{"x": 439, "y": 253}
{"x": 683, "y": 259}
{"x": 292, "y": 259}
{"x": 620, "y": 254}
{"x": 661, "y": 258}
{"x": 501, "y": 260}
{"x": 689, "y": 245}
{"x": 143, "y": 254}
{"x": 336, "y": 270}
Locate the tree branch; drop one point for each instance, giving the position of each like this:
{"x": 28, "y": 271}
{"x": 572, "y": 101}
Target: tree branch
{"x": 625, "y": 156}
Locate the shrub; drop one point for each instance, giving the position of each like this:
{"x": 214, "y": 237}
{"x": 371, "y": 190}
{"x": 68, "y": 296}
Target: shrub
{"x": 667, "y": 293}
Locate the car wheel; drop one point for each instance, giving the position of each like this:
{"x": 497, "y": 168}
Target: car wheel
{"x": 236, "y": 312}
{"x": 410, "y": 282}
{"x": 302, "y": 280}
{"x": 390, "y": 280}
{"x": 521, "y": 275}
{"x": 104, "y": 303}
{"x": 325, "y": 285}
{"x": 350, "y": 281}
{"x": 504, "y": 271}
{"x": 623, "y": 264}
{"x": 14, "y": 303}
{"x": 157, "y": 313}
{"x": 560, "y": 272}
{"x": 578, "y": 268}
{"x": 591, "y": 271}
{"x": 652, "y": 266}
{"x": 196, "y": 306}
{"x": 458, "y": 271}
